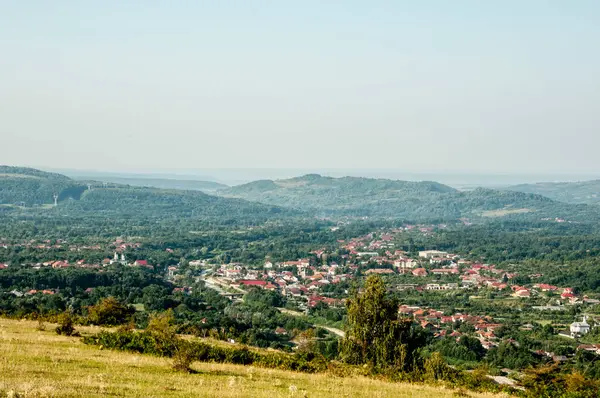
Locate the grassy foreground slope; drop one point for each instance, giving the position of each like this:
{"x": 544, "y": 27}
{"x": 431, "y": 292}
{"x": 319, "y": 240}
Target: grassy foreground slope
{"x": 42, "y": 364}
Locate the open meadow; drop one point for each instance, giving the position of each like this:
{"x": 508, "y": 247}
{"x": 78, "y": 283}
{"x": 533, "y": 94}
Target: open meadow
{"x": 37, "y": 363}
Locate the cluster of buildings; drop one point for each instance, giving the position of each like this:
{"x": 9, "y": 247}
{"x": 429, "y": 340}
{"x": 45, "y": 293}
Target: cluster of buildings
{"x": 442, "y": 325}
{"x": 297, "y": 280}
{"x": 49, "y": 245}
{"x": 117, "y": 259}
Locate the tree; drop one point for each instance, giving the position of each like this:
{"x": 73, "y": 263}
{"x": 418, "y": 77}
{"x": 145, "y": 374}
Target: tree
{"x": 110, "y": 312}
{"x": 306, "y": 341}
{"x": 473, "y": 345}
{"x": 375, "y": 335}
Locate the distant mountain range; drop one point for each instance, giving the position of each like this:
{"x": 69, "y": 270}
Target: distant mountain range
{"x": 26, "y": 187}
{"x": 164, "y": 183}
{"x": 308, "y": 196}
{"x": 586, "y": 192}
{"x": 353, "y": 196}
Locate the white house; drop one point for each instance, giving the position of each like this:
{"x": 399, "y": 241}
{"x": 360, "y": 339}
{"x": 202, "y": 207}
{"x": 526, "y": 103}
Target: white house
{"x": 432, "y": 253}
{"x": 406, "y": 263}
{"x": 580, "y": 328}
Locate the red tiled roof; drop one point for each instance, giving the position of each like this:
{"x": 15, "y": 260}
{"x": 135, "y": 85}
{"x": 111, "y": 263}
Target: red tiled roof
{"x": 253, "y": 283}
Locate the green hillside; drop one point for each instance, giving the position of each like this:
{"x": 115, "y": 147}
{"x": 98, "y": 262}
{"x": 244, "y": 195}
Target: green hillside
{"x": 586, "y": 192}
{"x": 24, "y": 187}
{"x": 125, "y": 200}
{"x": 352, "y": 196}
{"x": 312, "y": 195}
{"x": 346, "y": 196}
{"x": 164, "y": 183}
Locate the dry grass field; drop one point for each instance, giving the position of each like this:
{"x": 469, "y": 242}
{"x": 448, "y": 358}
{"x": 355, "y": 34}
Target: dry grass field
{"x": 504, "y": 212}
{"x": 37, "y": 363}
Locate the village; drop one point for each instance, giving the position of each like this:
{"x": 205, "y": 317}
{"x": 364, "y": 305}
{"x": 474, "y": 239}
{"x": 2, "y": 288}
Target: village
{"x": 318, "y": 280}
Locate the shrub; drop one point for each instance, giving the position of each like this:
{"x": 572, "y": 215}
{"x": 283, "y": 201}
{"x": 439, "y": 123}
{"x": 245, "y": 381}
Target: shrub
{"x": 183, "y": 356}
{"x": 436, "y": 368}
{"x": 41, "y": 325}
{"x": 65, "y": 325}
{"x": 110, "y": 312}
{"x": 185, "y": 352}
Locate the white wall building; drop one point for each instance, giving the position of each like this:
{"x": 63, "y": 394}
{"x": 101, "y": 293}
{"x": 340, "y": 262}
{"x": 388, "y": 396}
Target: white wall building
{"x": 432, "y": 253}
{"x": 580, "y": 328}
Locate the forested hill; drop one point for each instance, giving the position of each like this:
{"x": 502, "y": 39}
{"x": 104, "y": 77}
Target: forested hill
{"x": 587, "y": 192}
{"x": 27, "y": 172}
{"x": 354, "y": 196}
{"x": 161, "y": 203}
{"x": 312, "y": 195}
{"x": 164, "y": 183}
{"x": 23, "y": 188}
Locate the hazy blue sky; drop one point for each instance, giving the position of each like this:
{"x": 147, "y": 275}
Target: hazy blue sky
{"x": 484, "y": 86}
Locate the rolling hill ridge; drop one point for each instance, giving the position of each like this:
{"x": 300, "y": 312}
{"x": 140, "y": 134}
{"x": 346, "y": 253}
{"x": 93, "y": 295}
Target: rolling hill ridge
{"x": 354, "y": 196}
{"x": 581, "y": 192}
{"x": 309, "y": 195}
{"x": 163, "y": 183}
{"x": 25, "y": 187}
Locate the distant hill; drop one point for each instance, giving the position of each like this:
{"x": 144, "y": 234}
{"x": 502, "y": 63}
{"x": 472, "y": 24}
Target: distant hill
{"x": 587, "y": 192}
{"x": 155, "y": 202}
{"x": 311, "y": 195}
{"x": 30, "y": 187}
{"x": 353, "y": 196}
{"x": 27, "y": 172}
{"x": 165, "y": 183}
{"x": 347, "y": 196}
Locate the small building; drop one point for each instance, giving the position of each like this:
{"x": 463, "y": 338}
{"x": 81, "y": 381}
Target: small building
{"x": 379, "y": 271}
{"x": 280, "y": 331}
{"x": 432, "y": 253}
{"x": 580, "y": 328}
{"x": 522, "y": 293}
{"x": 253, "y": 283}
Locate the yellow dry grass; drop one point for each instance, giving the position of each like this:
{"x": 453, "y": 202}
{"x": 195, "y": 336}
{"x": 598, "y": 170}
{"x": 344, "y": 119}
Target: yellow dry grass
{"x": 504, "y": 212}
{"x": 42, "y": 364}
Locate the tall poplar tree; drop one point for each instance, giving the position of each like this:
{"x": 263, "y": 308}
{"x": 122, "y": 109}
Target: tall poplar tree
{"x": 376, "y": 335}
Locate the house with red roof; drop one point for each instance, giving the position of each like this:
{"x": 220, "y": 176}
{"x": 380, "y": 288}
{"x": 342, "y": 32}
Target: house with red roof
{"x": 233, "y": 273}
{"x": 419, "y": 272}
{"x": 444, "y": 271}
{"x": 406, "y": 310}
{"x": 253, "y": 283}
{"x": 60, "y": 264}
{"x": 523, "y": 292}
{"x": 379, "y": 271}
{"x": 545, "y": 287}
{"x": 569, "y": 296}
